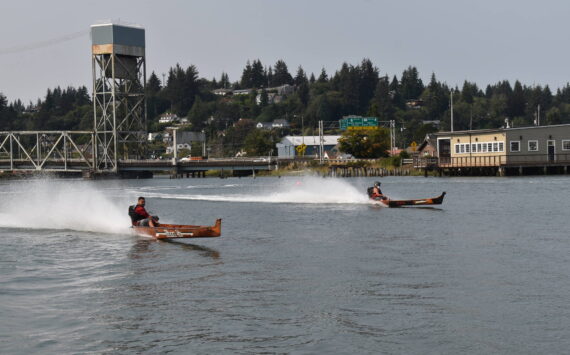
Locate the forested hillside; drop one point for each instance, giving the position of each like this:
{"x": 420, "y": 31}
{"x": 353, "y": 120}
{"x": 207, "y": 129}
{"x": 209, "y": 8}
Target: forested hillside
{"x": 353, "y": 89}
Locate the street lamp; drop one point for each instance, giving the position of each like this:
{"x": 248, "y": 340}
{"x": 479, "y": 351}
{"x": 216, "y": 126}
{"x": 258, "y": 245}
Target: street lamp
{"x": 203, "y": 144}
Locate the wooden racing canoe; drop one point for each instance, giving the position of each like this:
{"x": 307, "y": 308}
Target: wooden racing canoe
{"x": 174, "y": 231}
{"x": 398, "y": 203}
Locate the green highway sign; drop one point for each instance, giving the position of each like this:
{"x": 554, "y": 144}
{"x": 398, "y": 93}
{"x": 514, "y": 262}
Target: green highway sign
{"x": 358, "y": 123}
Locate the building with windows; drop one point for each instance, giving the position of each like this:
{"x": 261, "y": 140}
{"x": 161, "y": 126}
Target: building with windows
{"x": 279, "y": 123}
{"x": 168, "y": 118}
{"x": 305, "y": 146}
{"x": 503, "y": 148}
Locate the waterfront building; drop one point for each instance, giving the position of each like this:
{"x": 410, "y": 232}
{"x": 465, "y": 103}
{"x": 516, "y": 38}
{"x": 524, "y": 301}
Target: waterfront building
{"x": 520, "y": 148}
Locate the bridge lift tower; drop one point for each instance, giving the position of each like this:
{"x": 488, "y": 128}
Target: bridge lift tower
{"x": 119, "y": 107}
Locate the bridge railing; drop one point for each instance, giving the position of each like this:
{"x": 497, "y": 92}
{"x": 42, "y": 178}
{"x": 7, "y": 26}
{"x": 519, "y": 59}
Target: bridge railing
{"x": 46, "y": 150}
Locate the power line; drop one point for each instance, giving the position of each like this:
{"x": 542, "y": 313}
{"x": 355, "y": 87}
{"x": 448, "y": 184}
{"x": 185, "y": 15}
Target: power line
{"x": 45, "y": 43}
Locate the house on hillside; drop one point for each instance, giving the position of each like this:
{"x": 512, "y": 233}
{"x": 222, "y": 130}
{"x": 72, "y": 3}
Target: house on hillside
{"x": 279, "y": 123}
{"x": 184, "y": 139}
{"x": 415, "y": 104}
{"x": 222, "y": 92}
{"x": 168, "y": 118}
{"x": 242, "y": 92}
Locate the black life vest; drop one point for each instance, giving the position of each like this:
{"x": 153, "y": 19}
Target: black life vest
{"x": 135, "y": 217}
{"x": 370, "y": 191}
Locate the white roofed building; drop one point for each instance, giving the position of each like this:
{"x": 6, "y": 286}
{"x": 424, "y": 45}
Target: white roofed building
{"x": 287, "y": 148}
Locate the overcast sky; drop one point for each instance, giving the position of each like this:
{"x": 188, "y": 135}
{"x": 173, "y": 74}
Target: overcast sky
{"x": 482, "y": 41}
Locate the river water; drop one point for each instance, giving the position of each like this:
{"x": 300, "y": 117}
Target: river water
{"x": 304, "y": 265}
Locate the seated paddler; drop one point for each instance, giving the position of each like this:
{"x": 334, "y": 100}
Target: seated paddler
{"x": 375, "y": 193}
{"x": 139, "y": 215}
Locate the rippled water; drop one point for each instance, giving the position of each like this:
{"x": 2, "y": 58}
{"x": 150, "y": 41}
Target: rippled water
{"x": 304, "y": 265}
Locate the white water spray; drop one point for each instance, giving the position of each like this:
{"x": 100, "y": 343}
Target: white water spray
{"x": 303, "y": 190}
{"x": 50, "y": 204}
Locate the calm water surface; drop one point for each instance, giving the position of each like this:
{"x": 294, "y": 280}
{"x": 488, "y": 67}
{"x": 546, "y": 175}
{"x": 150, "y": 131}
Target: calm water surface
{"x": 304, "y": 265}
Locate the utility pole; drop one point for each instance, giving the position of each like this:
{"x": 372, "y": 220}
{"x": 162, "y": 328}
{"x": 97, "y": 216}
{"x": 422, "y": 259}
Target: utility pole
{"x": 451, "y": 110}
{"x": 321, "y": 141}
{"x": 203, "y": 144}
{"x": 392, "y": 136}
{"x": 471, "y": 119}
{"x": 174, "y": 146}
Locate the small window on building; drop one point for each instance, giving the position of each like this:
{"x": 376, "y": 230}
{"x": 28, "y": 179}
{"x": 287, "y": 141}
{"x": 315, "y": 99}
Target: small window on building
{"x": 474, "y": 148}
{"x": 501, "y": 147}
{"x": 495, "y": 147}
{"x": 533, "y": 146}
{"x": 515, "y": 146}
{"x": 484, "y": 146}
{"x": 566, "y": 144}
{"x": 462, "y": 148}
{"x": 489, "y": 147}
{"x": 478, "y": 147}
{"x": 467, "y": 148}
{"x": 457, "y": 149}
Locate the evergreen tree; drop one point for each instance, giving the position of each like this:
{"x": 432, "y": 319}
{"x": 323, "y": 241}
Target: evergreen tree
{"x": 347, "y": 82}
{"x": 155, "y": 103}
{"x": 4, "y": 118}
{"x": 82, "y": 97}
{"x": 303, "y": 93}
{"x": 246, "y": 77}
{"x": 180, "y": 85}
{"x": 382, "y": 100}
{"x": 436, "y": 99}
{"x": 516, "y": 101}
{"x": 300, "y": 77}
{"x": 312, "y": 78}
{"x": 323, "y": 77}
{"x": 397, "y": 98}
{"x": 153, "y": 85}
{"x": 224, "y": 81}
{"x": 198, "y": 114}
{"x": 269, "y": 76}
{"x": 264, "y": 98}
{"x": 281, "y": 74}
{"x": 258, "y": 78}
{"x": 411, "y": 86}
{"x": 367, "y": 83}
{"x": 469, "y": 92}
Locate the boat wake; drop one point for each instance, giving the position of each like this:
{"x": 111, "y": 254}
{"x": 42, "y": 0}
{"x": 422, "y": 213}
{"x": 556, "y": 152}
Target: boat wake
{"x": 307, "y": 190}
{"x": 49, "y": 204}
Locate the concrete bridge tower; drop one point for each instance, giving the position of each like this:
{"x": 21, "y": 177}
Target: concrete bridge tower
{"x": 119, "y": 81}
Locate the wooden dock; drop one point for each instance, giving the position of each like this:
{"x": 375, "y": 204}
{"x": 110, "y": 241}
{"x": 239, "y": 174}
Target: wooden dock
{"x": 496, "y": 165}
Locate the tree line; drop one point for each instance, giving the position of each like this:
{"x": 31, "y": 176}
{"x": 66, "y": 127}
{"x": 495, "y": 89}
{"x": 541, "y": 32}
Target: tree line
{"x": 353, "y": 89}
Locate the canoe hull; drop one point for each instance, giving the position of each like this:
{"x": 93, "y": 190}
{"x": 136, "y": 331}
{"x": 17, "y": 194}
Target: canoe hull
{"x": 400, "y": 203}
{"x": 180, "y": 231}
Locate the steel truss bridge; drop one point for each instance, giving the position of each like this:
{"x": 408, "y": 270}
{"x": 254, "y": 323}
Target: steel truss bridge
{"x": 67, "y": 151}
{"x": 74, "y": 152}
